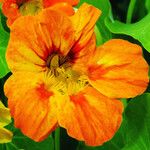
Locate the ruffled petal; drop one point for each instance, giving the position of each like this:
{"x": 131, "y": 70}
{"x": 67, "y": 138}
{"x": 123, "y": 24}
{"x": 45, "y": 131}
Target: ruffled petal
{"x": 31, "y": 104}
{"x": 89, "y": 116}
{"x": 34, "y": 38}
{"x": 5, "y": 135}
{"x": 84, "y": 21}
{"x": 118, "y": 70}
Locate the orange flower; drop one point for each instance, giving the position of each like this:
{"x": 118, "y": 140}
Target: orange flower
{"x": 13, "y": 9}
{"x": 61, "y": 79}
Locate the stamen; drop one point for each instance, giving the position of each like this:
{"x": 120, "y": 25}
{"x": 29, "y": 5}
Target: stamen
{"x": 54, "y": 83}
{"x": 76, "y": 86}
{"x": 61, "y": 78}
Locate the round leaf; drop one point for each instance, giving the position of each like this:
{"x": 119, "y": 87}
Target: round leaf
{"x": 139, "y": 30}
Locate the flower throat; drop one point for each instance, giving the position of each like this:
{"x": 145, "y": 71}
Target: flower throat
{"x": 65, "y": 78}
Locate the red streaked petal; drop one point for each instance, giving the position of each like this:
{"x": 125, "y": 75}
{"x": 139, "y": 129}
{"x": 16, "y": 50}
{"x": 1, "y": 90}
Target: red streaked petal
{"x": 34, "y": 38}
{"x": 31, "y": 104}
{"x": 59, "y": 28}
{"x": 84, "y": 21}
{"x": 89, "y": 116}
{"x": 118, "y": 69}
{"x": 81, "y": 58}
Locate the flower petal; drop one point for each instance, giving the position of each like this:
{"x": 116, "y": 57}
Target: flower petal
{"x": 59, "y": 28}
{"x": 31, "y": 104}
{"x": 48, "y": 3}
{"x": 5, "y": 135}
{"x": 84, "y": 21}
{"x": 64, "y": 7}
{"x": 5, "y": 118}
{"x": 80, "y": 59}
{"x": 89, "y": 116}
{"x": 118, "y": 69}
{"x": 10, "y": 10}
{"x": 34, "y": 38}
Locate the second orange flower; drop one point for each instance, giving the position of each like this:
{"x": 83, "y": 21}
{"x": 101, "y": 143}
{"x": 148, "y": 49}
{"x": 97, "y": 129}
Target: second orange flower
{"x": 13, "y": 9}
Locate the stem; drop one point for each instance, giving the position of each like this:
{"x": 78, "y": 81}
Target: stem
{"x": 99, "y": 39}
{"x": 130, "y": 11}
{"x": 124, "y": 101}
{"x": 57, "y": 139}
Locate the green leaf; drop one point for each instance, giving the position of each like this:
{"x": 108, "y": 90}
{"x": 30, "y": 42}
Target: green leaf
{"x": 3, "y": 65}
{"x": 137, "y": 123}
{"x": 9, "y": 146}
{"x": 136, "y": 11}
{"x": 23, "y": 142}
{"x": 81, "y": 146}
{"x": 4, "y": 37}
{"x": 140, "y": 10}
{"x": 147, "y": 4}
{"x": 139, "y": 31}
{"x": 104, "y": 6}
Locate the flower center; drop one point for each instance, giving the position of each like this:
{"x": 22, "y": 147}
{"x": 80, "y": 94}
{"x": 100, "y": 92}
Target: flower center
{"x": 30, "y": 7}
{"x": 62, "y": 78}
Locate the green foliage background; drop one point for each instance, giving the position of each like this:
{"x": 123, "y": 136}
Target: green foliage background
{"x": 134, "y": 133}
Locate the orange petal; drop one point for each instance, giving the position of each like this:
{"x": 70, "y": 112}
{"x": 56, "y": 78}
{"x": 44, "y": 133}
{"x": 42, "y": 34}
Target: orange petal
{"x": 84, "y": 21}
{"x": 48, "y": 3}
{"x": 34, "y": 38}
{"x": 64, "y": 7}
{"x": 1, "y": 1}
{"x": 10, "y": 10}
{"x": 80, "y": 59}
{"x": 118, "y": 69}
{"x": 31, "y": 104}
{"x": 89, "y": 116}
{"x": 59, "y": 28}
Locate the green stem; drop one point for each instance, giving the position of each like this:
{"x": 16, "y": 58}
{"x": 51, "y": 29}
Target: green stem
{"x": 57, "y": 139}
{"x": 124, "y": 101}
{"x": 99, "y": 39}
{"x": 130, "y": 11}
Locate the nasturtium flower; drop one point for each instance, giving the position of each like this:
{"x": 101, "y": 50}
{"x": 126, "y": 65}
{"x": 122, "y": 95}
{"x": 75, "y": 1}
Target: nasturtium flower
{"x": 60, "y": 78}
{"x": 5, "y": 119}
{"x": 13, "y": 9}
